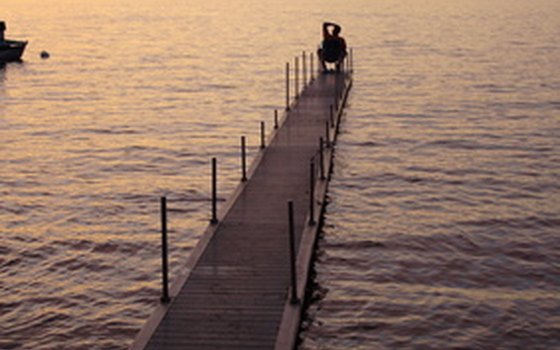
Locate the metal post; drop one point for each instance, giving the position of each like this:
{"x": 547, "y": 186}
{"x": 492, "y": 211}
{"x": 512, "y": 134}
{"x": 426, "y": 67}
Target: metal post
{"x": 318, "y": 60}
{"x": 331, "y": 116}
{"x": 338, "y": 94}
{"x": 321, "y": 159}
{"x": 165, "y": 293}
{"x": 336, "y": 100}
{"x": 312, "y": 73}
{"x": 293, "y": 298}
{"x": 243, "y": 160}
{"x": 351, "y": 60}
{"x": 262, "y": 135}
{"x": 296, "y": 77}
{"x": 275, "y": 119}
{"x": 214, "y": 192}
{"x": 312, "y": 192}
{"x": 304, "y": 68}
{"x": 327, "y": 136}
{"x": 287, "y": 86}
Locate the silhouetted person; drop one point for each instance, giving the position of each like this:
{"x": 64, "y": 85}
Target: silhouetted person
{"x": 2, "y": 29}
{"x": 333, "y": 48}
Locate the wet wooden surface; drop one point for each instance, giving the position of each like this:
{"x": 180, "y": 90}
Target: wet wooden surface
{"x": 236, "y": 292}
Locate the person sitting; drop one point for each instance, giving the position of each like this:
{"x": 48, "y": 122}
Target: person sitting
{"x": 333, "y": 47}
{"x": 2, "y": 29}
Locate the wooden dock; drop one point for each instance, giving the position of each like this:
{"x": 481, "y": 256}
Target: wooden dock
{"x": 236, "y": 291}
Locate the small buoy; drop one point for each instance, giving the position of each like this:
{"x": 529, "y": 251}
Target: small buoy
{"x": 45, "y": 55}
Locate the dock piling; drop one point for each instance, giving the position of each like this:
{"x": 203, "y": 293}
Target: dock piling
{"x": 164, "y": 268}
{"x": 293, "y": 273}
{"x": 243, "y": 160}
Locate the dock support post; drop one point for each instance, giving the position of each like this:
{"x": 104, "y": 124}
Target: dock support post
{"x": 304, "y": 68}
{"x": 287, "y": 86}
{"x": 293, "y": 298}
{"x": 243, "y": 160}
{"x": 214, "y": 218}
{"x": 165, "y": 292}
{"x": 312, "y": 192}
{"x": 296, "y": 77}
{"x": 262, "y": 136}
{"x": 321, "y": 159}
{"x": 275, "y": 119}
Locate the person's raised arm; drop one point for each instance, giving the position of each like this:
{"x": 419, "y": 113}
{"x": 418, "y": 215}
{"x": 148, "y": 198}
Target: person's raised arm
{"x": 326, "y": 33}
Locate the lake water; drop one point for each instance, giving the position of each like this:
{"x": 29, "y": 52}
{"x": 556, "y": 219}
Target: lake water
{"x": 443, "y": 228}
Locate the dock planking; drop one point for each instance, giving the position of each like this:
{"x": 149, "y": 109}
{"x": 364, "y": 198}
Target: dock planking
{"x": 236, "y": 291}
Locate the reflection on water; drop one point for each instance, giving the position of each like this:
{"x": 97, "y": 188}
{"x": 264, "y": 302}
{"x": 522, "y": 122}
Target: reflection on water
{"x": 444, "y": 206}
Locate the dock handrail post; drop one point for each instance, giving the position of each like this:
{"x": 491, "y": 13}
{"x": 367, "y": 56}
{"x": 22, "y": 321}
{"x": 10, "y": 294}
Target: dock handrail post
{"x": 327, "y": 135}
{"x": 339, "y": 91}
{"x": 317, "y": 59}
{"x": 214, "y": 218}
{"x": 287, "y": 86}
{"x": 336, "y": 100}
{"x": 243, "y": 160}
{"x": 312, "y": 192}
{"x": 331, "y": 115}
{"x": 311, "y": 72}
{"x": 321, "y": 159}
{"x": 262, "y": 135}
{"x": 293, "y": 298}
{"x": 351, "y": 60}
{"x": 165, "y": 283}
{"x": 296, "y": 77}
{"x": 304, "y": 68}
{"x": 275, "y": 119}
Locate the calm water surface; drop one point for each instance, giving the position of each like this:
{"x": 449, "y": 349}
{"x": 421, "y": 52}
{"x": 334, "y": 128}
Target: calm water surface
{"x": 444, "y": 218}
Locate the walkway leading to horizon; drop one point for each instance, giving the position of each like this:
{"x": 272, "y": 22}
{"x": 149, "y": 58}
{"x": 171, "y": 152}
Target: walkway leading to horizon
{"x": 236, "y": 294}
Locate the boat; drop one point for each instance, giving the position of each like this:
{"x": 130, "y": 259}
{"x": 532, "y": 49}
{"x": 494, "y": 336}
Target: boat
{"x": 10, "y": 50}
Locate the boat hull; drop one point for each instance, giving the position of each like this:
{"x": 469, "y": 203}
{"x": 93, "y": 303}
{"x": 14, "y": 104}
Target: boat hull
{"x": 11, "y": 50}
